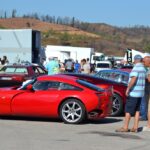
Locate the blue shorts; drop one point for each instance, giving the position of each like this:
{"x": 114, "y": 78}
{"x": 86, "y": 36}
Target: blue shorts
{"x": 133, "y": 105}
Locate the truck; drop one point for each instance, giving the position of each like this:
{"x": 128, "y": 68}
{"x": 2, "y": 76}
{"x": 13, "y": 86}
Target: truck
{"x": 97, "y": 57}
{"x": 130, "y": 53}
{"x": 63, "y": 53}
{"x": 20, "y": 45}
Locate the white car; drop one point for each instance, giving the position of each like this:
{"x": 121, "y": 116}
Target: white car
{"x": 103, "y": 65}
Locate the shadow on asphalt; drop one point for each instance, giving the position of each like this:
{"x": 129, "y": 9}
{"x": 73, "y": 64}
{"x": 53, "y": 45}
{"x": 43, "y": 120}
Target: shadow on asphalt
{"x": 114, "y": 134}
{"x": 104, "y": 121}
{"x": 100, "y": 121}
{"x": 38, "y": 119}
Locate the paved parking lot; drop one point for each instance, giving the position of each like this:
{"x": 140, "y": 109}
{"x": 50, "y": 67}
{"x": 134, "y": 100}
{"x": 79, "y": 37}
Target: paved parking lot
{"x": 47, "y": 134}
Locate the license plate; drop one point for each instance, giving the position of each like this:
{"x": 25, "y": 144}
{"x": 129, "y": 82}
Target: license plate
{"x": 6, "y": 78}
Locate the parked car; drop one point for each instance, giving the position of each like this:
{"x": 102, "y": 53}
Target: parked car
{"x": 117, "y": 75}
{"x": 116, "y": 78}
{"x": 103, "y": 65}
{"x": 56, "y": 96}
{"x": 15, "y": 74}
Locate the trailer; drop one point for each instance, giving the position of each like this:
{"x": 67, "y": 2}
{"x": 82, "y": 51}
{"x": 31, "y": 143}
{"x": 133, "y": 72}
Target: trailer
{"x": 130, "y": 53}
{"x": 20, "y": 45}
{"x": 63, "y": 53}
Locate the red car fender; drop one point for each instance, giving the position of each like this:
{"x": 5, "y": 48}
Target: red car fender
{"x": 6, "y": 101}
{"x": 90, "y": 103}
{"x": 121, "y": 95}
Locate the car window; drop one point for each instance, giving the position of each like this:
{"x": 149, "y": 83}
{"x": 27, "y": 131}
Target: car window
{"x": 45, "y": 85}
{"x": 40, "y": 85}
{"x": 110, "y": 75}
{"x": 103, "y": 65}
{"x": 21, "y": 70}
{"x": 125, "y": 79}
{"x": 7, "y": 70}
{"x": 65, "y": 86}
{"x": 51, "y": 85}
{"x": 35, "y": 70}
{"x": 103, "y": 74}
{"x": 13, "y": 70}
{"x": 114, "y": 76}
{"x": 41, "y": 71}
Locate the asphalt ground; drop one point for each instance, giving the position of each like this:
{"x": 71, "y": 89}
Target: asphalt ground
{"x": 51, "y": 134}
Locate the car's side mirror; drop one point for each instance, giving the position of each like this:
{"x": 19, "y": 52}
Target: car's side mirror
{"x": 29, "y": 87}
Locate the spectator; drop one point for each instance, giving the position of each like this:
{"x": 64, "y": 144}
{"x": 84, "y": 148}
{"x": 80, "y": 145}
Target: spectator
{"x": 85, "y": 67}
{"x": 4, "y": 61}
{"x": 134, "y": 92}
{"x": 69, "y": 66}
{"x": 143, "y": 107}
{"x": 146, "y": 62}
{"x": 61, "y": 67}
{"x": 52, "y": 66}
{"x": 77, "y": 67}
{"x": 57, "y": 66}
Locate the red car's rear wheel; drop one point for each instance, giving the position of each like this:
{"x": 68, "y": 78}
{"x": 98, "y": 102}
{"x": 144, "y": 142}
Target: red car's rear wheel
{"x": 117, "y": 105}
{"x": 72, "y": 111}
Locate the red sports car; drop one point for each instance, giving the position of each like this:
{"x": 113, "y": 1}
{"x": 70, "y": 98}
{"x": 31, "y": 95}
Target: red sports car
{"x": 116, "y": 78}
{"x": 57, "y": 96}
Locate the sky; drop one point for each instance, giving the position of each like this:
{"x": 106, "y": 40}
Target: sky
{"x": 121, "y": 13}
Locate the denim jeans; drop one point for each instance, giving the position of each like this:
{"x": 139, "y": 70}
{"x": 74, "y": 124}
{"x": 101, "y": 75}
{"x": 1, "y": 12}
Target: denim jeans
{"x": 143, "y": 109}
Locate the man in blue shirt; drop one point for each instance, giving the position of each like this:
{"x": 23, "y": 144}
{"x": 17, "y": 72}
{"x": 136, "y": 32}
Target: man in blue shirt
{"x": 134, "y": 93}
{"x": 77, "y": 67}
{"x": 52, "y": 66}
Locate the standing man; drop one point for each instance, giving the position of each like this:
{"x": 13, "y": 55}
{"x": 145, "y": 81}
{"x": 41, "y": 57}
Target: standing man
{"x": 52, "y": 66}
{"x": 134, "y": 93}
{"x": 69, "y": 65}
{"x": 77, "y": 67}
{"x": 146, "y": 62}
{"x": 85, "y": 67}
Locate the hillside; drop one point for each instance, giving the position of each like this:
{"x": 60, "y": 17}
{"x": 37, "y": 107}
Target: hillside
{"x": 102, "y": 37}
{"x": 21, "y": 23}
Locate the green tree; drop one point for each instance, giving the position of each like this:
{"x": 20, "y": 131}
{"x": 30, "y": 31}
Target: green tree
{"x": 147, "y": 47}
{"x": 14, "y": 11}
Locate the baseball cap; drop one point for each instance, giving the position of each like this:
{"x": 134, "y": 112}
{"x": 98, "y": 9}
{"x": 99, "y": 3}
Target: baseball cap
{"x": 137, "y": 57}
{"x": 146, "y": 54}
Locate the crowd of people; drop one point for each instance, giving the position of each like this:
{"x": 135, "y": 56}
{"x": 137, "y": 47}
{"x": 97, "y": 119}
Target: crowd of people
{"x": 138, "y": 92}
{"x": 54, "y": 66}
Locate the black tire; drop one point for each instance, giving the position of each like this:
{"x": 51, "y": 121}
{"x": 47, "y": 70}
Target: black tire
{"x": 72, "y": 111}
{"x": 117, "y": 105}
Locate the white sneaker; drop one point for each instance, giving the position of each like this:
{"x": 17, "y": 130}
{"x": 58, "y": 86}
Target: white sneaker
{"x": 146, "y": 128}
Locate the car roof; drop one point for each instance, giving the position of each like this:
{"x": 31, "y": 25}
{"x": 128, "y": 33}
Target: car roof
{"x": 21, "y": 65}
{"x": 58, "y": 77}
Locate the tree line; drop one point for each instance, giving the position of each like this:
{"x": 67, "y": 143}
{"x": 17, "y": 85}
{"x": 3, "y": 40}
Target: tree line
{"x": 70, "y": 21}
{"x": 74, "y": 22}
